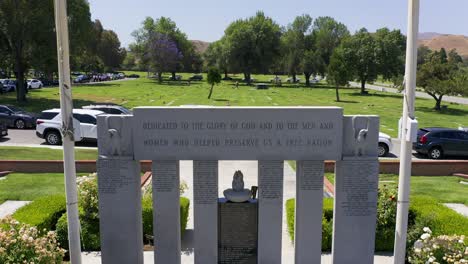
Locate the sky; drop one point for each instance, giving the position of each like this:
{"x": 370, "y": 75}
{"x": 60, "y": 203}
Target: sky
{"x": 206, "y": 20}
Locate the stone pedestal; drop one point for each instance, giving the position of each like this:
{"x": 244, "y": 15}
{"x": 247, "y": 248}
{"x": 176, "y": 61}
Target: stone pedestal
{"x": 237, "y": 232}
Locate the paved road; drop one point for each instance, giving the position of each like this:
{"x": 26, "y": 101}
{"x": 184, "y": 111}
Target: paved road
{"x": 450, "y": 99}
{"x": 28, "y": 138}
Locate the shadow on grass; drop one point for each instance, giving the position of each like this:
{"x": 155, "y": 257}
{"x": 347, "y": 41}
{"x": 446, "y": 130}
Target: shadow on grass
{"x": 446, "y": 111}
{"x": 220, "y": 100}
{"x": 348, "y": 102}
{"x": 377, "y": 94}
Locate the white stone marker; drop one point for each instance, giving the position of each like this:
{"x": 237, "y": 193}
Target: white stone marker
{"x": 356, "y": 187}
{"x": 166, "y": 211}
{"x": 308, "y": 213}
{"x": 205, "y": 196}
{"x": 270, "y": 210}
{"x": 119, "y": 193}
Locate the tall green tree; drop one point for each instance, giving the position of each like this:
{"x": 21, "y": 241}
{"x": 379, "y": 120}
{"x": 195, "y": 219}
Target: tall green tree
{"x": 27, "y": 34}
{"x": 339, "y": 70}
{"x": 217, "y": 55}
{"x": 293, "y": 43}
{"x": 439, "y": 77}
{"x": 328, "y": 35}
{"x": 360, "y": 51}
{"x": 109, "y": 50}
{"x": 391, "y": 46}
{"x": 253, "y": 44}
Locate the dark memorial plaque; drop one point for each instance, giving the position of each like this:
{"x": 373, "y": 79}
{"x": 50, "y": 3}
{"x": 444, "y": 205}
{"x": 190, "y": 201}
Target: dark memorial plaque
{"x": 238, "y": 232}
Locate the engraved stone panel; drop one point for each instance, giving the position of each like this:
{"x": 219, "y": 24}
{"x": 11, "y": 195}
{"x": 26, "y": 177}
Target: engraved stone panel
{"x": 270, "y": 212}
{"x": 205, "y": 193}
{"x": 308, "y": 213}
{"x": 355, "y": 211}
{"x": 166, "y": 211}
{"x": 120, "y": 211}
{"x": 219, "y": 133}
{"x": 238, "y": 234}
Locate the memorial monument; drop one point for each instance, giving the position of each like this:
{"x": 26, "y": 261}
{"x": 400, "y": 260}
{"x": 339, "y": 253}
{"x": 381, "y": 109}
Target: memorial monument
{"x": 269, "y": 135}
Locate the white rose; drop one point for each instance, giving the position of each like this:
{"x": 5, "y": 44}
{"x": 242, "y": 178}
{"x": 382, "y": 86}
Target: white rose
{"x": 425, "y": 236}
{"x": 427, "y": 230}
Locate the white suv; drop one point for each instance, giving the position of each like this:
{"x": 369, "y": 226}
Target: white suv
{"x": 48, "y": 125}
{"x": 34, "y": 84}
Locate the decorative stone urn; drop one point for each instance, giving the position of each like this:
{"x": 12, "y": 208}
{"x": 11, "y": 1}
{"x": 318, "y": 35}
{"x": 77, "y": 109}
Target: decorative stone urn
{"x": 237, "y": 194}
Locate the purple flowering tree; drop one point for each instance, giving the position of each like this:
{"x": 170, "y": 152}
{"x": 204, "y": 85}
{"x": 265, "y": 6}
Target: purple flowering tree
{"x": 163, "y": 54}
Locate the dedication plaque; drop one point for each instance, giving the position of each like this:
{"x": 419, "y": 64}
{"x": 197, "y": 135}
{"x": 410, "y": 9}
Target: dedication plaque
{"x": 234, "y": 133}
{"x": 238, "y": 232}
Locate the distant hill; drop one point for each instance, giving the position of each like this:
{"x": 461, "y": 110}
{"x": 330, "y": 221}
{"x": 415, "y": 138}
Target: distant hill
{"x": 200, "y": 46}
{"x": 436, "y": 41}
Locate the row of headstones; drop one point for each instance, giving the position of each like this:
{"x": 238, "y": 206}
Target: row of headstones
{"x": 354, "y": 211}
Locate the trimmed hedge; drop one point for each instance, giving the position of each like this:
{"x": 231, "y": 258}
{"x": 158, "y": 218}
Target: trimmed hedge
{"x": 147, "y": 208}
{"x": 424, "y": 211}
{"x": 43, "y": 212}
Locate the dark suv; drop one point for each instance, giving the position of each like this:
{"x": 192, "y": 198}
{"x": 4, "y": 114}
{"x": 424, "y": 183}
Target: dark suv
{"x": 437, "y": 142}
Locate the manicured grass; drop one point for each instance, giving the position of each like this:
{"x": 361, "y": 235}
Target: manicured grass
{"x": 25, "y": 153}
{"x": 444, "y": 189}
{"x": 30, "y": 186}
{"x": 148, "y": 92}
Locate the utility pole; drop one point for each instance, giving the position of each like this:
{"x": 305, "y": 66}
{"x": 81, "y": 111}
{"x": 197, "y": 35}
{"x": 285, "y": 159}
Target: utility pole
{"x": 407, "y": 132}
{"x": 68, "y": 139}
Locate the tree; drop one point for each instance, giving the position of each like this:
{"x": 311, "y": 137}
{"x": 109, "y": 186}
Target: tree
{"x": 109, "y": 50}
{"x": 391, "y": 46}
{"x": 293, "y": 43}
{"x": 339, "y": 71}
{"x": 253, "y": 44}
{"x": 27, "y": 29}
{"x": 213, "y": 78}
{"x": 423, "y": 54}
{"x": 439, "y": 77}
{"x": 217, "y": 55}
{"x": 328, "y": 34}
{"x": 163, "y": 54}
{"x": 360, "y": 51}
{"x": 454, "y": 57}
{"x": 189, "y": 61}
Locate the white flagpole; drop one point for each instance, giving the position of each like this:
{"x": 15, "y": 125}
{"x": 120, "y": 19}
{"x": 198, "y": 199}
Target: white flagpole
{"x": 406, "y": 143}
{"x": 66, "y": 108}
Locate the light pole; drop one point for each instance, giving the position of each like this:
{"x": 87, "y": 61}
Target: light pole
{"x": 407, "y": 131}
{"x": 66, "y": 110}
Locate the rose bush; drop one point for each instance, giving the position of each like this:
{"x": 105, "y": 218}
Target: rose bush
{"x": 21, "y": 243}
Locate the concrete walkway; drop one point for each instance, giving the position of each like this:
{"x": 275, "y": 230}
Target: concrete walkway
{"x": 9, "y": 207}
{"x": 446, "y": 98}
{"x": 459, "y": 208}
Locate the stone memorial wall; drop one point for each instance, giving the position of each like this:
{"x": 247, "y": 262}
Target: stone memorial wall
{"x": 308, "y": 135}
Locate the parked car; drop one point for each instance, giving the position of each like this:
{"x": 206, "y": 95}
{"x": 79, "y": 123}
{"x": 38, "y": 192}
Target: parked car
{"x": 437, "y": 142}
{"x": 81, "y": 79}
{"x": 109, "y": 109}
{"x": 385, "y": 144}
{"x": 3, "y": 129}
{"x": 8, "y": 85}
{"x": 17, "y": 117}
{"x": 34, "y": 84}
{"x": 196, "y": 77}
{"x": 49, "y": 123}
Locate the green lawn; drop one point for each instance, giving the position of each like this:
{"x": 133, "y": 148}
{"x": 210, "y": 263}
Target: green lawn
{"x": 29, "y": 186}
{"x": 148, "y": 92}
{"x": 24, "y": 153}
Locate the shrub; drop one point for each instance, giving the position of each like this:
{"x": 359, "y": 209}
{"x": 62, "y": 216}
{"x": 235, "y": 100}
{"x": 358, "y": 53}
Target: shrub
{"x": 21, "y": 243}
{"x": 440, "y": 249}
{"x": 327, "y": 222}
{"x": 43, "y": 212}
{"x": 90, "y": 239}
{"x": 147, "y": 209}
